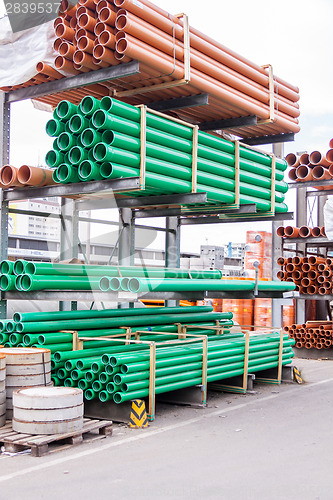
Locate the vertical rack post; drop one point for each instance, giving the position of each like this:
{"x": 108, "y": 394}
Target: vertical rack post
{"x": 69, "y": 233}
{"x": 126, "y": 241}
{"x": 152, "y": 372}
{"x": 172, "y": 247}
{"x": 4, "y": 144}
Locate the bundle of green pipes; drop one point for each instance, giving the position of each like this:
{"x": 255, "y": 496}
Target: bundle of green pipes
{"x": 109, "y": 370}
{"x": 28, "y": 276}
{"x": 102, "y": 140}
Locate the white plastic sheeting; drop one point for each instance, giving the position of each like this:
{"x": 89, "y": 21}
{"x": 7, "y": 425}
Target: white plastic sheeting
{"x": 20, "y": 52}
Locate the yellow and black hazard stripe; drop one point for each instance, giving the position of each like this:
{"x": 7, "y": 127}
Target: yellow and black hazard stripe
{"x": 297, "y": 376}
{"x": 138, "y": 417}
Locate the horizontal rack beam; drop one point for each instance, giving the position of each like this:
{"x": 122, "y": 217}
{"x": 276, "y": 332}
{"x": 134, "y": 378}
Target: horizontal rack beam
{"x": 240, "y": 121}
{"x": 177, "y": 212}
{"x": 224, "y": 218}
{"x": 146, "y": 201}
{"x": 269, "y": 139}
{"x": 298, "y": 296}
{"x": 79, "y": 188}
{"x": 71, "y": 295}
{"x": 180, "y": 102}
{"x": 73, "y": 82}
{"x": 315, "y": 242}
{"x": 314, "y": 184}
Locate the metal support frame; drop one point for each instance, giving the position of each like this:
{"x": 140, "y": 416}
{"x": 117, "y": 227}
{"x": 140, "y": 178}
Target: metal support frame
{"x": 269, "y": 139}
{"x": 172, "y": 248}
{"x": 5, "y": 146}
{"x": 301, "y": 220}
{"x": 180, "y": 102}
{"x": 126, "y": 242}
{"x": 241, "y": 121}
{"x": 69, "y": 240}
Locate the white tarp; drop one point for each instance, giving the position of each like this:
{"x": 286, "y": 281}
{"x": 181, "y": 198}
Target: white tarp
{"x": 20, "y": 52}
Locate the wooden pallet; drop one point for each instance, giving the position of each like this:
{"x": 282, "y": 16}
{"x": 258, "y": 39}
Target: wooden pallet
{"x": 16, "y": 441}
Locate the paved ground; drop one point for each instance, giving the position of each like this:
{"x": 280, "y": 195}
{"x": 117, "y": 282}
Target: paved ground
{"x": 275, "y": 444}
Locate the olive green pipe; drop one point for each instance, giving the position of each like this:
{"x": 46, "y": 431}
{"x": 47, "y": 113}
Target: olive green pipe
{"x": 81, "y": 324}
{"x": 131, "y": 113}
{"x": 6, "y": 267}
{"x": 175, "y": 185}
{"x": 34, "y": 282}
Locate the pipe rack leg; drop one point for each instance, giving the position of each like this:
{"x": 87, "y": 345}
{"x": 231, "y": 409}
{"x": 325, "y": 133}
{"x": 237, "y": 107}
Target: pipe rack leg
{"x": 172, "y": 248}
{"x": 4, "y": 145}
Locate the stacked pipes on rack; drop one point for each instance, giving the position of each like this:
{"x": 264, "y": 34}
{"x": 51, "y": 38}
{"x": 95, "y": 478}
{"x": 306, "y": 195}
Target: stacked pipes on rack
{"x": 109, "y": 139}
{"x": 24, "y": 176}
{"x": 301, "y": 232}
{"x": 311, "y": 275}
{"x": 312, "y": 334}
{"x": 313, "y": 166}
{"x": 175, "y": 60}
{"x": 107, "y": 353}
{"x": 24, "y": 276}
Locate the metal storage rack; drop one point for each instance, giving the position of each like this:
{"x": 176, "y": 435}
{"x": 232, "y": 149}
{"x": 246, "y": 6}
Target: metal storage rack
{"x": 305, "y": 216}
{"x": 100, "y": 195}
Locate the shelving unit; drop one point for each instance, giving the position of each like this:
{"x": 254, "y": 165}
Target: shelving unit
{"x": 102, "y": 194}
{"x": 304, "y": 216}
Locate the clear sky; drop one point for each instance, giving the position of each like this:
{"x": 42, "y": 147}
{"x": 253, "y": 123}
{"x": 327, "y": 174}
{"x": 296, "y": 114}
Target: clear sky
{"x": 292, "y": 35}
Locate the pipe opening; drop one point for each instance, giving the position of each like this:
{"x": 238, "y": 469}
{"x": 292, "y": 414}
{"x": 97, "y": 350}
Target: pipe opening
{"x": 87, "y": 137}
{"x": 85, "y": 169}
{"x": 103, "y": 396}
{"x": 105, "y": 359}
{"x": 76, "y": 155}
{"x": 99, "y": 118}
{"x": 106, "y": 103}
{"x": 19, "y": 267}
{"x": 117, "y": 397}
{"x": 99, "y": 51}
{"x": 124, "y": 284}
{"x": 134, "y": 285}
{"x": 104, "y": 284}
{"x": 87, "y": 105}
{"x": 104, "y": 37}
{"x": 5, "y": 267}
{"x": 121, "y": 45}
{"x": 100, "y": 151}
{"x": 78, "y": 57}
{"x": 110, "y": 388}
{"x": 315, "y": 157}
{"x": 114, "y": 284}
{"x": 7, "y": 174}
{"x": 291, "y": 159}
{"x": 52, "y": 128}
{"x": 26, "y": 282}
{"x": 108, "y": 137}
{"x": 60, "y": 30}
{"x": 24, "y": 174}
{"x": 121, "y": 22}
{"x": 63, "y": 172}
{"x": 99, "y": 28}
{"x": 104, "y": 14}
{"x": 64, "y": 49}
{"x": 103, "y": 377}
{"x": 4, "y": 284}
{"x": 76, "y": 123}
{"x": 106, "y": 170}
{"x": 117, "y": 379}
{"x": 83, "y": 43}
{"x": 83, "y": 20}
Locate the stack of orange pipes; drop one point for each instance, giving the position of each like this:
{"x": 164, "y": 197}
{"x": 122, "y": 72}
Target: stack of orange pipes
{"x": 311, "y": 166}
{"x": 25, "y": 176}
{"x": 300, "y": 232}
{"x": 311, "y": 275}
{"x": 97, "y": 34}
{"x": 312, "y": 334}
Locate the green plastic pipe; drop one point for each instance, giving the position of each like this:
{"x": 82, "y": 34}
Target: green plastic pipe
{"x": 272, "y": 286}
{"x": 77, "y": 124}
{"x": 142, "y": 285}
{"x": 34, "y": 282}
{"x": 68, "y": 382}
{"x": 89, "y": 394}
{"x": 97, "y": 366}
{"x": 65, "y": 110}
{"x": 69, "y": 365}
{"x": 83, "y": 384}
{"x": 90, "y": 137}
{"x": 89, "y": 171}
{"x": 66, "y": 141}
{"x": 56, "y": 347}
{"x": 19, "y": 267}
{"x": 54, "y": 127}
{"x": 55, "y": 176}
{"x": 6, "y": 267}
{"x": 110, "y": 388}
{"x": 56, "y": 381}
{"x": 7, "y": 282}
{"x": 67, "y": 173}
{"x": 81, "y": 324}
{"x": 77, "y": 155}
{"x": 91, "y": 376}
{"x": 97, "y": 386}
{"x": 78, "y": 374}
{"x": 62, "y": 373}
{"x": 105, "y": 377}
{"x": 4, "y": 337}
{"x": 112, "y": 313}
{"x": 105, "y": 396}
{"x": 131, "y": 113}
{"x": 86, "y": 362}
{"x": 89, "y": 105}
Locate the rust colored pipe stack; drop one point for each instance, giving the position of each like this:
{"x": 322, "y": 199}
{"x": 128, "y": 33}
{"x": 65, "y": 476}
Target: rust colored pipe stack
{"x": 25, "y": 176}
{"x": 301, "y": 232}
{"x": 311, "y": 275}
{"x": 312, "y": 166}
{"x": 312, "y": 334}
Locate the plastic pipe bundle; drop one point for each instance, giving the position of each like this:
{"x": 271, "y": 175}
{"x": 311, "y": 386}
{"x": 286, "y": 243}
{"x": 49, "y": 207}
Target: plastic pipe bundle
{"x": 109, "y": 147}
{"x": 312, "y": 334}
{"x": 25, "y": 176}
{"x": 100, "y": 35}
{"x": 313, "y": 166}
{"x": 311, "y": 275}
{"x": 300, "y": 232}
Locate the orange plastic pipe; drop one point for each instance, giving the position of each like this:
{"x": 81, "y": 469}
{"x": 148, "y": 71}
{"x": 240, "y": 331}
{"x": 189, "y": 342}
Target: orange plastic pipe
{"x": 304, "y": 159}
{"x": 8, "y": 177}
{"x": 107, "y": 39}
{"x": 280, "y": 231}
{"x": 105, "y": 54}
{"x": 90, "y": 4}
{"x": 320, "y": 173}
{"x": 66, "y": 50}
{"x": 64, "y": 31}
{"x": 291, "y": 232}
{"x": 35, "y": 176}
{"x": 292, "y": 174}
{"x": 107, "y": 16}
{"x": 48, "y": 70}
{"x": 85, "y": 44}
{"x": 83, "y": 32}
{"x": 322, "y": 231}
{"x": 170, "y": 24}
{"x": 100, "y": 63}
{"x": 66, "y": 65}
{"x": 304, "y": 173}
{"x": 151, "y": 56}
{"x": 84, "y": 59}
{"x": 316, "y": 158}
{"x": 87, "y": 22}
{"x": 292, "y": 160}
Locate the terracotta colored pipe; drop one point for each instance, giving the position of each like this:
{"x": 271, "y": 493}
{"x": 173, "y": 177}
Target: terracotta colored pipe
{"x": 82, "y": 69}
{"x": 8, "y": 177}
{"x": 306, "y": 267}
{"x": 90, "y": 4}
{"x": 65, "y": 65}
{"x": 297, "y": 261}
{"x": 318, "y": 159}
{"x": 327, "y": 284}
{"x": 107, "y": 40}
{"x": 85, "y": 44}
{"x": 329, "y": 156}
{"x": 84, "y": 10}
{"x": 281, "y": 275}
{"x": 57, "y": 43}
{"x": 315, "y": 231}
{"x": 321, "y": 267}
{"x": 129, "y": 24}
{"x": 331, "y": 267}
{"x": 66, "y": 50}
{"x": 312, "y": 275}
{"x": 48, "y": 70}
{"x": 322, "y": 231}
{"x": 290, "y": 268}
{"x": 327, "y": 273}
{"x": 84, "y": 59}
{"x": 304, "y": 173}
{"x": 100, "y": 27}
{"x": 320, "y": 173}
{"x": 143, "y": 52}
{"x": 280, "y": 231}
{"x": 73, "y": 23}
{"x": 107, "y": 16}
{"x": 171, "y": 24}
{"x": 292, "y": 175}
{"x": 101, "y": 4}
{"x": 296, "y": 275}
{"x": 305, "y": 282}
{"x": 313, "y": 260}
{"x": 281, "y": 261}
{"x": 100, "y": 63}
{"x": 65, "y": 32}
{"x": 82, "y": 32}
{"x": 312, "y": 289}
{"x": 87, "y": 22}
{"x": 122, "y": 57}
{"x": 292, "y": 160}
{"x": 304, "y": 231}
{"x": 104, "y": 54}
{"x": 330, "y": 170}
{"x": 304, "y": 159}
{"x": 291, "y": 232}
{"x": 59, "y": 20}
{"x": 35, "y": 176}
